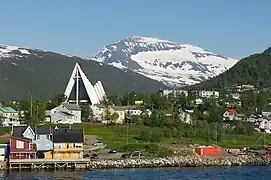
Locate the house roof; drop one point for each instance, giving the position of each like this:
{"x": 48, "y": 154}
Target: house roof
{"x": 42, "y": 130}
{"x": 7, "y": 110}
{"x": 118, "y": 108}
{"x": 62, "y": 127}
{"x": 232, "y": 111}
{"x": 18, "y": 131}
{"x": 66, "y": 113}
{"x": 72, "y": 106}
{"x": 21, "y": 138}
{"x": 68, "y": 136}
{"x": 122, "y": 108}
{"x": 240, "y": 115}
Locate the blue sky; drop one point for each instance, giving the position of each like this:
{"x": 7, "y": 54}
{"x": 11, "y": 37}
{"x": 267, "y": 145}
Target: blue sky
{"x": 234, "y": 28}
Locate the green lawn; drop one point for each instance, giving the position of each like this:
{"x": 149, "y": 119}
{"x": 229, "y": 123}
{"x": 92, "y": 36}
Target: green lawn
{"x": 116, "y": 138}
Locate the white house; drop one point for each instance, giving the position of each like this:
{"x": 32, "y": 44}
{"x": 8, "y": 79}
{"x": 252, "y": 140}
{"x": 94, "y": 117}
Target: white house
{"x": 198, "y": 101}
{"x": 64, "y": 113}
{"x": 208, "y": 94}
{"x": 264, "y": 125}
{"x": 235, "y": 96}
{"x": 175, "y": 92}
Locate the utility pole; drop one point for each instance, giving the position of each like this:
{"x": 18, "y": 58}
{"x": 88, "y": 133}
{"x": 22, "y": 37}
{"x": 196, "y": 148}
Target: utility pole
{"x": 37, "y": 115}
{"x": 216, "y": 132}
{"x": 128, "y": 117}
{"x": 31, "y": 105}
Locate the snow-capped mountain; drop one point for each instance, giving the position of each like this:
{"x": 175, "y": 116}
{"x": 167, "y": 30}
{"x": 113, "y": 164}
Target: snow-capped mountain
{"x": 171, "y": 63}
{"x": 25, "y": 69}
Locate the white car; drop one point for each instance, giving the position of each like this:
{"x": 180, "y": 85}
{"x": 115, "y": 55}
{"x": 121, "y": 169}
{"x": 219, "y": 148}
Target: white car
{"x": 98, "y": 144}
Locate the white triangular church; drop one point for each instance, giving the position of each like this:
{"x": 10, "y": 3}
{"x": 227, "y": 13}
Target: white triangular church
{"x": 80, "y": 90}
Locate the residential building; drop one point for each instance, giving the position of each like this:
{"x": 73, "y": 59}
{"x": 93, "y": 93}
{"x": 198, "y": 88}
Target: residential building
{"x": 264, "y": 126}
{"x": 266, "y": 113}
{"x": 68, "y": 143}
{"x": 244, "y": 87}
{"x": 255, "y": 118}
{"x": 198, "y": 101}
{"x": 121, "y": 115}
{"x": 65, "y": 114}
{"x": 235, "y": 96}
{"x": 185, "y": 117}
{"x": 239, "y": 117}
{"x": 4, "y": 151}
{"x": 134, "y": 110}
{"x": 21, "y": 146}
{"x": 175, "y": 92}
{"x": 208, "y": 94}
{"x": 49, "y": 113}
{"x": 109, "y": 112}
{"x": 9, "y": 116}
{"x": 43, "y": 138}
{"x": 97, "y": 111}
{"x": 229, "y": 114}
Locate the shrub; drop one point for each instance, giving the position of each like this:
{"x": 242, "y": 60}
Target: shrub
{"x": 167, "y": 132}
{"x": 152, "y": 148}
{"x": 156, "y": 136}
{"x": 133, "y": 147}
{"x": 174, "y": 132}
{"x": 165, "y": 153}
{"x": 144, "y": 136}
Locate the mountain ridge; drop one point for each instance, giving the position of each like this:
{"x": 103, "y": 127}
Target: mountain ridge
{"x": 164, "y": 61}
{"x": 254, "y": 70}
{"x": 46, "y": 73}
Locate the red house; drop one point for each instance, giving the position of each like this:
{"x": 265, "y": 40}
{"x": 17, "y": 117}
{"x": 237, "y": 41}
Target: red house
{"x": 232, "y": 111}
{"x": 229, "y": 114}
{"x": 21, "y": 147}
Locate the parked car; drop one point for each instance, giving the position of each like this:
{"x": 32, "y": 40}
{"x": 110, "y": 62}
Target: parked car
{"x": 126, "y": 155}
{"x": 98, "y": 144}
{"x": 136, "y": 154}
{"x": 91, "y": 156}
{"x": 133, "y": 154}
{"x": 112, "y": 151}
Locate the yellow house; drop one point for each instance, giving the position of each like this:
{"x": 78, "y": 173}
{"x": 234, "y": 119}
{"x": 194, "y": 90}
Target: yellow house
{"x": 113, "y": 114}
{"x": 68, "y": 144}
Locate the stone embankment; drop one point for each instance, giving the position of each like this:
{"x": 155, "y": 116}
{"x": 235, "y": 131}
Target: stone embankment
{"x": 187, "y": 161}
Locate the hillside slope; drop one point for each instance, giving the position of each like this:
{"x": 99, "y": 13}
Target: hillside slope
{"x": 254, "y": 69}
{"x": 47, "y": 74}
{"x": 169, "y": 62}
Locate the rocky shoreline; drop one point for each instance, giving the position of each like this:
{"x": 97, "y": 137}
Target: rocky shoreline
{"x": 181, "y": 161}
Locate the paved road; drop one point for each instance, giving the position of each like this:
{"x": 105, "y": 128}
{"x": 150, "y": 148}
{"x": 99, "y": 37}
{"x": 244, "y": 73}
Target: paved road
{"x": 109, "y": 155}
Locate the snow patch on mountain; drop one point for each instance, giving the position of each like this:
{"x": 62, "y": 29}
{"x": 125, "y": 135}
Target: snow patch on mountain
{"x": 171, "y": 63}
{"x": 11, "y": 51}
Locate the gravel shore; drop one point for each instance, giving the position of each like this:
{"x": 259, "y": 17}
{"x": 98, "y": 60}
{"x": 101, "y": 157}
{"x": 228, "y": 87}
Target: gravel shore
{"x": 180, "y": 161}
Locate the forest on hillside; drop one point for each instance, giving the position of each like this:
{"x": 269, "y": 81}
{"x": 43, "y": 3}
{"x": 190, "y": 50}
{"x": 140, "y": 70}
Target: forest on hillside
{"x": 254, "y": 70}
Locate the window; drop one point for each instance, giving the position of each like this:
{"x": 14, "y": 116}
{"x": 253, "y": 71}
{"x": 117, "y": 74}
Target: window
{"x": 19, "y": 144}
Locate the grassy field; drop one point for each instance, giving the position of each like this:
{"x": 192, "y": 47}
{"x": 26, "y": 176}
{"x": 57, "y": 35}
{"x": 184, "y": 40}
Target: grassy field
{"x": 116, "y": 137}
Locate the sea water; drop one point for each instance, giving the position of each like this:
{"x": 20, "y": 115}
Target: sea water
{"x": 207, "y": 173}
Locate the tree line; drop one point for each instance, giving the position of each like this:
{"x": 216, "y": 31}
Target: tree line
{"x": 206, "y": 119}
